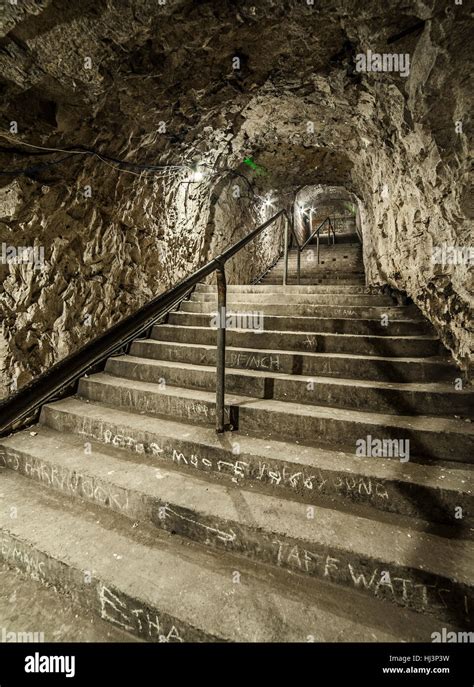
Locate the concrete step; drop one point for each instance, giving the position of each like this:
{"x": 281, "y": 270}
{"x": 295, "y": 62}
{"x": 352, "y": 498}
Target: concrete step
{"x": 293, "y": 289}
{"x": 342, "y": 252}
{"x": 352, "y": 245}
{"x": 313, "y": 280}
{"x": 403, "y": 346}
{"x": 32, "y": 612}
{"x": 341, "y": 238}
{"x": 330, "y": 260}
{"x": 338, "y": 268}
{"x": 300, "y": 299}
{"x": 326, "y": 247}
{"x": 349, "y": 249}
{"x": 381, "y": 397}
{"x": 419, "y": 570}
{"x": 401, "y": 327}
{"x": 328, "y": 266}
{"x": 427, "y": 492}
{"x": 324, "y": 275}
{"x": 393, "y": 312}
{"x": 308, "y": 364}
{"x": 145, "y": 581}
{"x": 314, "y": 270}
{"x": 431, "y": 438}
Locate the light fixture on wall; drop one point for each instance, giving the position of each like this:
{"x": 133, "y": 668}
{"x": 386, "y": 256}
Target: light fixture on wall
{"x": 197, "y": 174}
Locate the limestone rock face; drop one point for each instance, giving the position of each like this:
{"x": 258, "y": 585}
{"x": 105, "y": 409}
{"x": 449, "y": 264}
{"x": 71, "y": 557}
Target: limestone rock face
{"x": 186, "y": 93}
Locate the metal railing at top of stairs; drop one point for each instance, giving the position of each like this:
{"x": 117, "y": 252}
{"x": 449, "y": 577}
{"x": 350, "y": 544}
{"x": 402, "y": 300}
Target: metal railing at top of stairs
{"x": 342, "y": 221}
{"x": 316, "y": 233}
{"x": 24, "y": 406}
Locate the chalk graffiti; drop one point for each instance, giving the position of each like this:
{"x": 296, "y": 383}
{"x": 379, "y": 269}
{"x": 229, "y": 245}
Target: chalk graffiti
{"x": 68, "y": 480}
{"x": 310, "y": 342}
{"x": 226, "y": 537}
{"x": 9, "y": 461}
{"x": 376, "y": 581}
{"x": 330, "y": 482}
{"x": 122, "y": 441}
{"x": 131, "y": 616}
{"x": 254, "y": 361}
{"x": 193, "y": 460}
{"x": 15, "y": 554}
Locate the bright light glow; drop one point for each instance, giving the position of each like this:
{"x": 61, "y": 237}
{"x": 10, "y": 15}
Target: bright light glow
{"x": 195, "y": 172}
{"x": 268, "y": 202}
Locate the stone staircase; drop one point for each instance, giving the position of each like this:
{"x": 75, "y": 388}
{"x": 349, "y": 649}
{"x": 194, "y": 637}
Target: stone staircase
{"x": 339, "y": 264}
{"x": 126, "y": 499}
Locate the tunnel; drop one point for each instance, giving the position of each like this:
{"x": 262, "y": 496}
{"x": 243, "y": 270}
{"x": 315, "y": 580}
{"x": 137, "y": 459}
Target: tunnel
{"x": 236, "y": 321}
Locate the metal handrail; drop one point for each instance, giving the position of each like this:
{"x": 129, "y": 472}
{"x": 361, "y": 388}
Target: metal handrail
{"x": 290, "y": 225}
{"x": 300, "y": 248}
{"x": 316, "y": 232}
{"x": 23, "y": 407}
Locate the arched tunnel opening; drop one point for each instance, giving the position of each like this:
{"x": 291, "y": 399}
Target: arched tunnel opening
{"x": 236, "y": 300}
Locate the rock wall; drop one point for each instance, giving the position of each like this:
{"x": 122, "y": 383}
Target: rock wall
{"x": 414, "y": 182}
{"x": 106, "y": 255}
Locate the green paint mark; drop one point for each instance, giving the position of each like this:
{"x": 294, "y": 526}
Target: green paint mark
{"x": 257, "y": 168}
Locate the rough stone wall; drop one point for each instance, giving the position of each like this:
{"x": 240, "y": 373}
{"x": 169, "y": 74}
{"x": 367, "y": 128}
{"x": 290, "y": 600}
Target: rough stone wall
{"x": 233, "y": 218}
{"x": 414, "y": 179}
{"x": 103, "y": 258}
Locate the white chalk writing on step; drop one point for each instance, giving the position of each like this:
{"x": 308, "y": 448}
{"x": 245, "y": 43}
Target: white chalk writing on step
{"x": 131, "y": 617}
{"x": 226, "y": 537}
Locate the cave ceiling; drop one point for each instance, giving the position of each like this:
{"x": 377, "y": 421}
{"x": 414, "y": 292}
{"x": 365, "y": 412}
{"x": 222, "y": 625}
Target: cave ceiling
{"x": 151, "y": 63}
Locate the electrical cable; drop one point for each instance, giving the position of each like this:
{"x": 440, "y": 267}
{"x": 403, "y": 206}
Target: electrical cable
{"x": 35, "y": 168}
{"x": 101, "y": 156}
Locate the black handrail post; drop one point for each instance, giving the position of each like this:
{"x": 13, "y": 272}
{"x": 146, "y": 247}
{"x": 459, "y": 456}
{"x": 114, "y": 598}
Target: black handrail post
{"x": 317, "y": 244}
{"x": 298, "y": 248}
{"x": 220, "y": 357}
{"x": 285, "y": 264}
